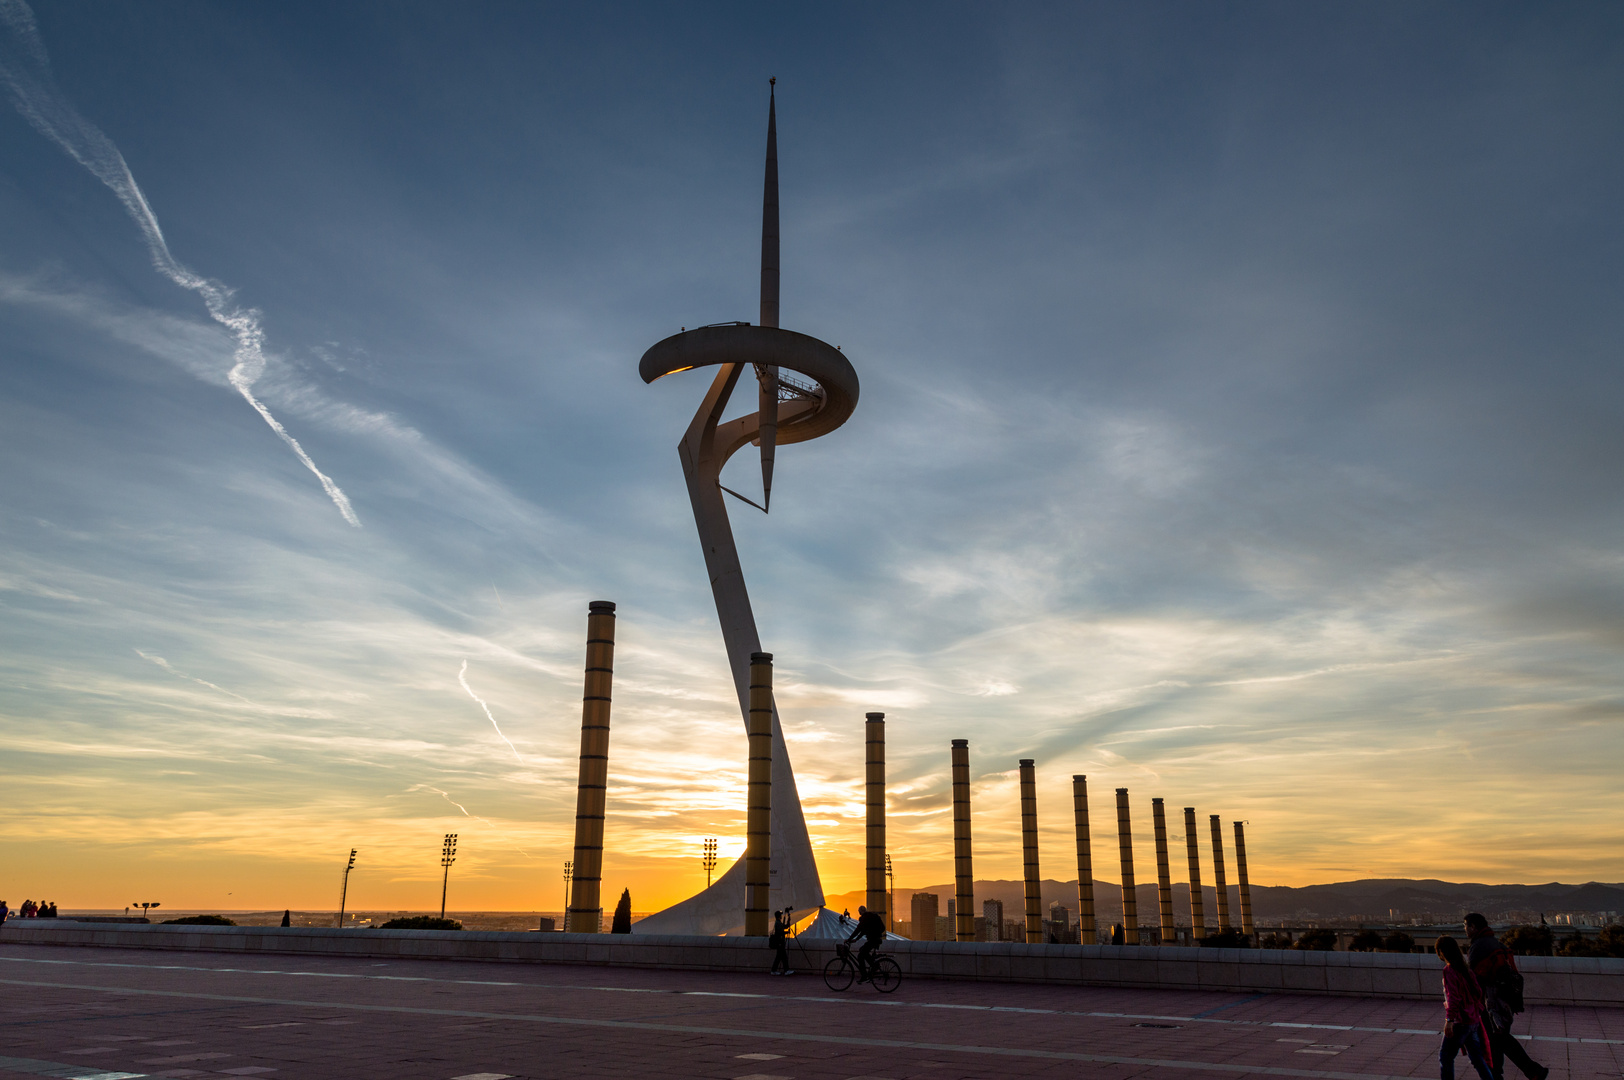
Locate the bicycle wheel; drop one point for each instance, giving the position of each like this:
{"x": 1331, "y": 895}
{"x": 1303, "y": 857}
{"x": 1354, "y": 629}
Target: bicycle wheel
{"x": 887, "y": 975}
{"x": 838, "y": 974}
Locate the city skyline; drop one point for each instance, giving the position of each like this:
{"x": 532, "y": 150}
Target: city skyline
{"x": 1240, "y": 426}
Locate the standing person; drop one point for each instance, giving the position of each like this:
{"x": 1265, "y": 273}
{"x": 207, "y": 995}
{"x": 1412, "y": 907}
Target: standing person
{"x": 780, "y": 943}
{"x": 871, "y": 928}
{"x": 1463, "y": 1014}
{"x": 1496, "y": 972}
{"x": 5, "y": 912}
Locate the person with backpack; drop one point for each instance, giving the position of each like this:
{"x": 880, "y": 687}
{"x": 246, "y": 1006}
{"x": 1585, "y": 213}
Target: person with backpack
{"x": 1496, "y": 971}
{"x": 1464, "y": 1026}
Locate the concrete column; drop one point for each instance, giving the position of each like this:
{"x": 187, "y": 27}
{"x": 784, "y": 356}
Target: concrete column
{"x": 1240, "y": 872}
{"x": 964, "y": 908}
{"x": 1164, "y": 873}
{"x": 1029, "y": 848}
{"x": 1192, "y": 844}
{"x": 1130, "y": 899}
{"x": 758, "y": 835}
{"x": 1218, "y": 873}
{"x": 874, "y": 742}
{"x": 1085, "y": 862}
{"x": 585, "y": 914}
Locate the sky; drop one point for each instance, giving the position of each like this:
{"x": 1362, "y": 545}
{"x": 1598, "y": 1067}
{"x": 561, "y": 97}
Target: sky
{"x": 1240, "y": 424}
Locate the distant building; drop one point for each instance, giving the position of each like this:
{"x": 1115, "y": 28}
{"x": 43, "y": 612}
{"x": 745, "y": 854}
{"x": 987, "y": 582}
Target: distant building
{"x": 925, "y": 912}
{"x": 992, "y": 913}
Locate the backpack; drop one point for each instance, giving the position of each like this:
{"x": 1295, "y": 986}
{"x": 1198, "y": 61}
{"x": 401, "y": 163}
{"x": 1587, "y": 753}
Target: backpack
{"x": 1505, "y": 984}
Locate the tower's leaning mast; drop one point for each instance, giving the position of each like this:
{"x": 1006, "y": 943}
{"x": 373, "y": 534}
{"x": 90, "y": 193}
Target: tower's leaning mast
{"x": 767, "y": 374}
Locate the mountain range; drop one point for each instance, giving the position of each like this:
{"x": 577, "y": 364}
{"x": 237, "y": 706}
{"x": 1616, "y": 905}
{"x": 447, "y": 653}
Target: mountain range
{"x": 1369, "y": 899}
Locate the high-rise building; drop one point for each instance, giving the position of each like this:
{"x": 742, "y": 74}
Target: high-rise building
{"x": 925, "y": 908}
{"x": 993, "y": 912}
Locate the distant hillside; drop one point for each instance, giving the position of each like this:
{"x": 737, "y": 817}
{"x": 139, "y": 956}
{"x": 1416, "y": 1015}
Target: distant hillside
{"x": 1370, "y": 899}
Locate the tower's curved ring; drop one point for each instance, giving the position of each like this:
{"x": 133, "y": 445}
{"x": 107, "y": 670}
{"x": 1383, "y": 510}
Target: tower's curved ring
{"x": 801, "y": 416}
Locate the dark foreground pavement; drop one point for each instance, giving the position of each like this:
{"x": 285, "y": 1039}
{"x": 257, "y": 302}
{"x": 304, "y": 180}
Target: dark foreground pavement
{"x": 106, "y": 1014}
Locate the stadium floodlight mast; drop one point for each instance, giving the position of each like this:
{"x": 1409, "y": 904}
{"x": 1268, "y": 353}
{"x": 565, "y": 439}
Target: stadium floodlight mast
{"x": 891, "y": 890}
{"x": 448, "y": 855}
{"x": 569, "y": 872}
{"x": 708, "y": 860}
{"x": 344, "y": 893}
{"x": 145, "y": 906}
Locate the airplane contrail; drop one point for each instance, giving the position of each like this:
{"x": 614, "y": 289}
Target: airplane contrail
{"x": 167, "y": 666}
{"x": 462, "y": 677}
{"x": 26, "y": 68}
{"x": 465, "y": 813}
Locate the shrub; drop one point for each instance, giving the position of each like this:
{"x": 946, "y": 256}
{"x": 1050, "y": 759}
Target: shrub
{"x": 1529, "y": 940}
{"x": 1578, "y": 945}
{"x": 1365, "y": 941}
{"x": 1612, "y": 939}
{"x": 1320, "y": 940}
{"x": 1398, "y": 941}
{"x": 1275, "y": 941}
{"x": 200, "y": 920}
{"x": 1227, "y": 939}
{"x": 421, "y": 922}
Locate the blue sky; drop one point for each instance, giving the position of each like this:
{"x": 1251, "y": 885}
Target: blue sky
{"x": 1240, "y": 424}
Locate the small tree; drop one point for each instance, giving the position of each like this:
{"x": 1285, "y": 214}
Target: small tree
{"x": 1275, "y": 941}
{"x": 1529, "y": 940}
{"x": 1579, "y": 945}
{"x": 1365, "y": 941}
{"x": 1398, "y": 941}
{"x": 623, "y": 914}
{"x": 1317, "y": 940}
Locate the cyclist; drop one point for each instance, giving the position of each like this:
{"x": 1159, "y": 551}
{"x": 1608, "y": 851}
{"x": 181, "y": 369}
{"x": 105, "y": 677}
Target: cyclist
{"x": 871, "y": 928}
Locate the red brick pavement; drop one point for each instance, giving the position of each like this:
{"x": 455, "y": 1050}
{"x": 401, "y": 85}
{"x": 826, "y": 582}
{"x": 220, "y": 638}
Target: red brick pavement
{"x": 103, "y": 1014}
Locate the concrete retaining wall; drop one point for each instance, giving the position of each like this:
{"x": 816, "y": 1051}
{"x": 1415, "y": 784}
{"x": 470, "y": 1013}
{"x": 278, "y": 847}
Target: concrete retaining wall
{"x": 1549, "y": 980}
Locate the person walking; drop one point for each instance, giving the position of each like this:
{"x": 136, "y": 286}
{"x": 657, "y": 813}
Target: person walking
{"x": 780, "y": 943}
{"x": 1495, "y": 969}
{"x": 1464, "y": 1028}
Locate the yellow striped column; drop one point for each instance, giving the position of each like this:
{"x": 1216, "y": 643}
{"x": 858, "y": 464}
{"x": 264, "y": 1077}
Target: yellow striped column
{"x": 1130, "y": 898}
{"x": 874, "y": 780}
{"x": 758, "y": 841}
{"x": 585, "y": 915}
{"x": 1029, "y": 848}
{"x": 1164, "y": 873}
{"x": 1240, "y": 872}
{"x": 1085, "y": 861}
{"x": 964, "y": 887}
{"x": 1192, "y": 844}
{"x": 1218, "y": 873}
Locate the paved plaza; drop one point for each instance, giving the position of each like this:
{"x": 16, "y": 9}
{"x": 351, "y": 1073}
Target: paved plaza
{"x": 106, "y": 1014}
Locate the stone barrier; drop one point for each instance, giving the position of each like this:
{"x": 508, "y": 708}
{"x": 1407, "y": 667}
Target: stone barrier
{"x": 1549, "y": 980}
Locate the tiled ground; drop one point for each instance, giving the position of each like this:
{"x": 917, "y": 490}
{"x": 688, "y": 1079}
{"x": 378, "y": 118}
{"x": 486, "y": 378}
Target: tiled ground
{"x": 105, "y": 1014}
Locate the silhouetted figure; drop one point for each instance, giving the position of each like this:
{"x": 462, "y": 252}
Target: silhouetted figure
{"x": 871, "y": 928}
{"x": 780, "y": 943}
{"x": 27, "y": 910}
{"x": 623, "y": 914}
{"x": 287, "y": 917}
{"x": 5, "y": 912}
{"x": 1496, "y": 972}
{"x": 1464, "y": 1027}
{"x": 49, "y": 911}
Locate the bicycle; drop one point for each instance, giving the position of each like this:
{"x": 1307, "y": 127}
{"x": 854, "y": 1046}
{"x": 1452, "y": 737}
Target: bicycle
{"x": 884, "y": 973}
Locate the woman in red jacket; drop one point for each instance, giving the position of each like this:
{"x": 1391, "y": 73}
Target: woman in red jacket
{"x": 1463, "y": 1014}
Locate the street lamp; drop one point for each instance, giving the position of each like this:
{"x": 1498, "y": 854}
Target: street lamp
{"x": 891, "y": 899}
{"x": 344, "y": 893}
{"x": 708, "y": 860}
{"x": 569, "y": 872}
{"x": 145, "y": 906}
{"x": 448, "y": 855}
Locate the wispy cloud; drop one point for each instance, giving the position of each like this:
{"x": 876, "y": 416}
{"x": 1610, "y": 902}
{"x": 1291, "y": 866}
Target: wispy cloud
{"x": 26, "y": 68}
